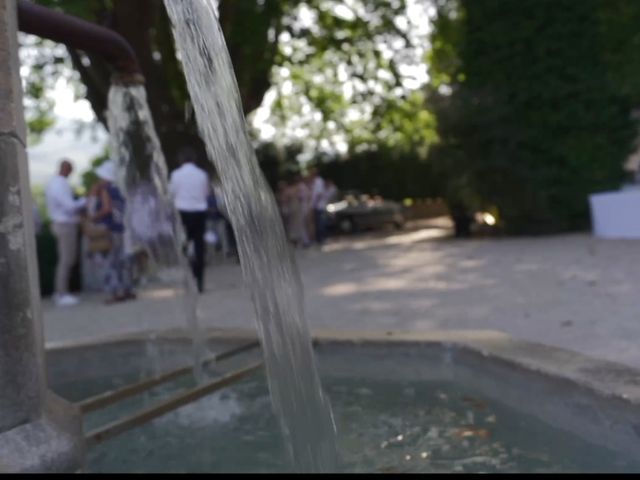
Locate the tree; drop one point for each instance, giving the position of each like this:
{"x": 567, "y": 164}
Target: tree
{"x": 528, "y": 115}
{"x": 620, "y": 39}
{"x": 349, "y": 88}
{"x": 324, "y": 44}
{"x": 345, "y": 76}
{"x": 251, "y": 28}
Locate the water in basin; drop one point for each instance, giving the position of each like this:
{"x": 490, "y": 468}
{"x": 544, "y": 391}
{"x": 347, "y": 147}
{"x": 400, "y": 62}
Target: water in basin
{"x": 384, "y": 426}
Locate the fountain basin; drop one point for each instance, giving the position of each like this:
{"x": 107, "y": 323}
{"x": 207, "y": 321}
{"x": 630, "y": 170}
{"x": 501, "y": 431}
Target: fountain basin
{"x": 433, "y": 402}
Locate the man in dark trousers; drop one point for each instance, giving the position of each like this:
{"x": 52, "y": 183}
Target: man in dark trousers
{"x": 189, "y": 186}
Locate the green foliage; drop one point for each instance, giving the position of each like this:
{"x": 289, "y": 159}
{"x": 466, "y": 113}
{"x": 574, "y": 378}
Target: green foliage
{"x": 389, "y": 172}
{"x": 337, "y": 67}
{"x": 43, "y": 64}
{"x": 620, "y": 36}
{"x": 341, "y": 78}
{"x": 392, "y": 174}
{"x": 250, "y": 27}
{"x": 529, "y": 118}
{"x": 340, "y": 86}
{"x": 278, "y": 162}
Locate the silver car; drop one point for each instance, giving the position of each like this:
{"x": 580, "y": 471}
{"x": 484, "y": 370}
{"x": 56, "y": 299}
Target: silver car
{"x": 354, "y": 212}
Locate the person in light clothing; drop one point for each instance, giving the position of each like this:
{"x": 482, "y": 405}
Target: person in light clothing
{"x": 318, "y": 205}
{"x": 64, "y": 211}
{"x": 190, "y": 187}
{"x": 298, "y": 199}
{"x": 110, "y": 212}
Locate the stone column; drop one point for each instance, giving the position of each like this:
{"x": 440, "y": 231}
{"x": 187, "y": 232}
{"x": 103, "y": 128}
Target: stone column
{"x": 39, "y": 432}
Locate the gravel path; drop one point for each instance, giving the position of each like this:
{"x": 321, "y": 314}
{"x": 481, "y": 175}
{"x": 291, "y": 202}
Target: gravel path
{"x": 571, "y": 291}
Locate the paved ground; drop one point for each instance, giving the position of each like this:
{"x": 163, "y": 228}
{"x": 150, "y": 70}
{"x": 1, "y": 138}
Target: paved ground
{"x": 570, "y": 291}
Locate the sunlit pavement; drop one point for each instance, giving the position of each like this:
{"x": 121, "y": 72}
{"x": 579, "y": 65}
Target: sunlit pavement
{"x": 570, "y": 291}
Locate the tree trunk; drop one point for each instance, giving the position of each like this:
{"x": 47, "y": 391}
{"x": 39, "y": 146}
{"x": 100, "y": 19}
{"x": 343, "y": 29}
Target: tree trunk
{"x": 250, "y": 28}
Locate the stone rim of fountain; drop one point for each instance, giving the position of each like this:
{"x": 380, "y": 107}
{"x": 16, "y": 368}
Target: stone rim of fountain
{"x": 597, "y": 400}
{"x": 605, "y": 378}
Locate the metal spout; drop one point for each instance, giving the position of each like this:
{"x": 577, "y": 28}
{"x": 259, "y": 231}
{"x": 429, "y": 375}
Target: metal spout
{"x": 82, "y": 35}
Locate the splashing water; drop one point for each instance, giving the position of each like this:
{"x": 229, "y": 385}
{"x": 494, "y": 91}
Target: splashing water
{"x": 268, "y": 264}
{"x": 152, "y": 223}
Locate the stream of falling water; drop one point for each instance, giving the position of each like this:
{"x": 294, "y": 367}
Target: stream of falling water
{"x": 152, "y": 223}
{"x": 268, "y": 263}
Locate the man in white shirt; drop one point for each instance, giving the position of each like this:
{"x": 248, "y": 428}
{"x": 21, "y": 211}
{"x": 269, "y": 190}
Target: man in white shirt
{"x": 64, "y": 213}
{"x": 318, "y": 205}
{"x": 189, "y": 185}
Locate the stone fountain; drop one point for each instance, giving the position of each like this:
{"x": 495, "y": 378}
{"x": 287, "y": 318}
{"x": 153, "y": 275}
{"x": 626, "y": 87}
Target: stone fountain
{"x": 39, "y": 432}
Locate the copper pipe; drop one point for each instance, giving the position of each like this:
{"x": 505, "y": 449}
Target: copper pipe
{"x": 82, "y": 35}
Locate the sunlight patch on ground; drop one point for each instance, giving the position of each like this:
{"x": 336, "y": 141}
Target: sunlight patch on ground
{"x": 400, "y": 239}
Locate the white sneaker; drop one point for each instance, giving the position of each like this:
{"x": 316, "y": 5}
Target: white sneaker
{"x": 66, "y": 300}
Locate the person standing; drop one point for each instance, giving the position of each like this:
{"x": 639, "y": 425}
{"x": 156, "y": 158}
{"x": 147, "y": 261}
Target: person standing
{"x": 109, "y": 212}
{"x": 189, "y": 185}
{"x": 64, "y": 212}
{"x": 318, "y": 205}
{"x": 298, "y": 201}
